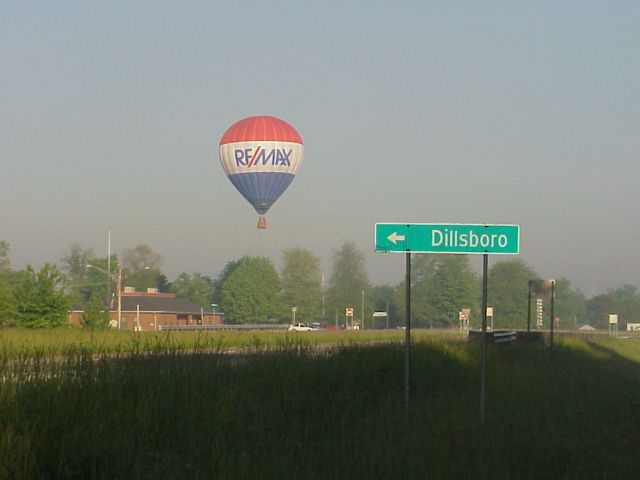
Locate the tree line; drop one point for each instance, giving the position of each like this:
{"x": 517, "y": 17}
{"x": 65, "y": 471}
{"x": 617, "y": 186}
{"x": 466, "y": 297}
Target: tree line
{"x": 251, "y": 290}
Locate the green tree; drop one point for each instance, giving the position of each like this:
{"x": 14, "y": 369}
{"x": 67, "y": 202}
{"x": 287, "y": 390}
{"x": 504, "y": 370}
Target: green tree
{"x": 424, "y": 268}
{"x": 441, "y": 286}
{"x": 627, "y": 303}
{"x": 250, "y": 292}
{"x": 196, "y": 287}
{"x": 7, "y": 303}
{"x": 75, "y": 261}
{"x": 623, "y": 301}
{"x": 453, "y": 286}
{"x": 40, "y": 298}
{"x": 141, "y": 269}
{"x": 569, "y": 305}
{"x": 222, "y": 276}
{"x": 399, "y": 298}
{"x": 100, "y": 279}
{"x": 383, "y": 299}
{"x": 598, "y": 310}
{"x": 508, "y": 291}
{"x": 301, "y": 283}
{"x": 5, "y": 264}
{"x": 95, "y": 316}
{"x": 347, "y": 281}
{"x": 90, "y": 278}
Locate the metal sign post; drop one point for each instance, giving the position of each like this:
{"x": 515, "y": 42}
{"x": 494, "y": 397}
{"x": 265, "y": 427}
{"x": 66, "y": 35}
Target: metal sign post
{"x": 483, "y": 344}
{"x": 379, "y": 315}
{"x": 529, "y": 309}
{"x": 446, "y": 238}
{"x": 463, "y": 317}
{"x": 613, "y": 324}
{"x": 407, "y": 331}
{"x": 348, "y": 313}
{"x": 551, "y": 315}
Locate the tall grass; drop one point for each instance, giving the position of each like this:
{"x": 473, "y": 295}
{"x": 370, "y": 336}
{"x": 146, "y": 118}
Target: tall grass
{"x": 50, "y": 342}
{"x": 298, "y": 412}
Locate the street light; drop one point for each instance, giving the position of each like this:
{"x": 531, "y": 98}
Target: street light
{"x": 322, "y": 288}
{"x": 118, "y": 280}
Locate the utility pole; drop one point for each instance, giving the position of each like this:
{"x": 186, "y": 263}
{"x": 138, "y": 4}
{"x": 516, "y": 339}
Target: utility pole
{"x": 119, "y": 293}
{"x": 362, "y": 311}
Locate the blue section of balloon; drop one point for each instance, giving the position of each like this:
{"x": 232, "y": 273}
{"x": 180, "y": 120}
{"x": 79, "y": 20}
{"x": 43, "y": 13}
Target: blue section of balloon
{"x": 261, "y": 189}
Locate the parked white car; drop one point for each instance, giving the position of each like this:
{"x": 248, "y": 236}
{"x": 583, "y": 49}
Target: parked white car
{"x": 299, "y": 327}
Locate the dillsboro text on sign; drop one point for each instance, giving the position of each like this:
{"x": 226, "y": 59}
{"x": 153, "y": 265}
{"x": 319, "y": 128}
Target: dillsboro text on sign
{"x": 447, "y": 238}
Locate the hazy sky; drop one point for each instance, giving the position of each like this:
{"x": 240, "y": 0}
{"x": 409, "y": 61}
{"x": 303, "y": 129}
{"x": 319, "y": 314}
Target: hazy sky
{"x": 479, "y": 111}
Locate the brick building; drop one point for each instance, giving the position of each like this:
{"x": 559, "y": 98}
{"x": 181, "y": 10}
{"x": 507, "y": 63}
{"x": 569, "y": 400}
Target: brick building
{"x": 150, "y": 310}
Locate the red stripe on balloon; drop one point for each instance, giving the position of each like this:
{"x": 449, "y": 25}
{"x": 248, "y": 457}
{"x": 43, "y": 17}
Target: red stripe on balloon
{"x": 261, "y": 128}
{"x": 254, "y": 156}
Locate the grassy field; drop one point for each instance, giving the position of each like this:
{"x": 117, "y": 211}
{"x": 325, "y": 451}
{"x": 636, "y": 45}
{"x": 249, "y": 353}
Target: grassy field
{"x": 297, "y": 412}
{"x": 43, "y": 342}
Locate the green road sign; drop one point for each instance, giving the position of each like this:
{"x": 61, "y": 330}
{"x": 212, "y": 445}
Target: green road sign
{"x": 447, "y": 238}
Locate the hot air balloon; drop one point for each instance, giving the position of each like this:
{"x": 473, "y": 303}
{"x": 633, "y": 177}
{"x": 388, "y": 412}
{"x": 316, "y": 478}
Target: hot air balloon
{"x": 261, "y": 155}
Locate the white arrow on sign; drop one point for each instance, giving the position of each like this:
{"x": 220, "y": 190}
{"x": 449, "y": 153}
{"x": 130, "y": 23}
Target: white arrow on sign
{"x": 394, "y": 237}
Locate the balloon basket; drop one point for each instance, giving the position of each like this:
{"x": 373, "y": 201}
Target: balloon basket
{"x": 262, "y": 223}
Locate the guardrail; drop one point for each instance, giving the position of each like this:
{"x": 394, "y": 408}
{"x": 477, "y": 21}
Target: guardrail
{"x": 506, "y": 336}
{"x": 223, "y": 327}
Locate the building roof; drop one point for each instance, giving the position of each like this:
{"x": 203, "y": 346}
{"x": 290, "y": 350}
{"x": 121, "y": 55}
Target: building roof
{"x": 157, "y": 303}
{"x": 160, "y": 303}
{"x": 587, "y": 327}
